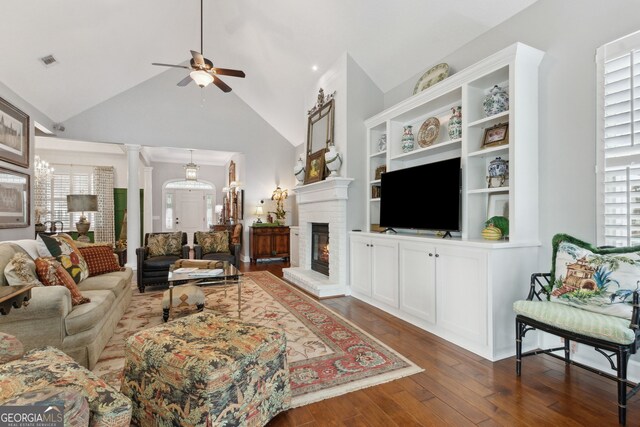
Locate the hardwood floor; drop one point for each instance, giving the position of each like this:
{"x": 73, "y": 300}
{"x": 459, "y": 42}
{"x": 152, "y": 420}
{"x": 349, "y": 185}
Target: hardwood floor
{"x": 458, "y": 388}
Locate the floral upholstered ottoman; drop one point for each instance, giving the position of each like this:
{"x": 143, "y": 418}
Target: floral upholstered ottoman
{"x": 48, "y": 367}
{"x": 206, "y": 370}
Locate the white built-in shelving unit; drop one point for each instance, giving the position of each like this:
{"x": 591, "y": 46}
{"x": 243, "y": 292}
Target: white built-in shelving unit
{"x": 463, "y": 288}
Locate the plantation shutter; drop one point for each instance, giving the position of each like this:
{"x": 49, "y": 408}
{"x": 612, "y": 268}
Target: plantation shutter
{"x": 618, "y": 213}
{"x": 68, "y": 180}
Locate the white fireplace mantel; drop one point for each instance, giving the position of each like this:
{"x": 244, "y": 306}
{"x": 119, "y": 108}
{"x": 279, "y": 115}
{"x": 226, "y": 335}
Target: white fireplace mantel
{"x": 329, "y": 189}
{"x": 322, "y": 202}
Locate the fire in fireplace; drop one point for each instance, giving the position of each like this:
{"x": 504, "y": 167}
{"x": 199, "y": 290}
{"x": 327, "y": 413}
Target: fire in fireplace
{"x": 320, "y": 248}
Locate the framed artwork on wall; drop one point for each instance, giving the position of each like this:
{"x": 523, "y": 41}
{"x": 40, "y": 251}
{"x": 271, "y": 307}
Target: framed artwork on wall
{"x": 315, "y": 167}
{"x": 14, "y": 135}
{"x": 14, "y": 199}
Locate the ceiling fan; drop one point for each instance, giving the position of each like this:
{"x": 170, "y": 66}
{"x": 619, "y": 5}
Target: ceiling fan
{"x": 202, "y": 70}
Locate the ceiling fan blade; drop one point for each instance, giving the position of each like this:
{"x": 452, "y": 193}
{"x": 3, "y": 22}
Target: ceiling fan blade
{"x": 228, "y": 72}
{"x": 222, "y": 85}
{"x": 185, "y": 81}
{"x": 198, "y": 58}
{"x": 171, "y": 65}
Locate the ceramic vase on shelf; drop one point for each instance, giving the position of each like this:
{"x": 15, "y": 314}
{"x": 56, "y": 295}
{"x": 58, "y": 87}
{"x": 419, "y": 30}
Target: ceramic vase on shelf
{"x": 496, "y": 101}
{"x": 382, "y": 142}
{"x": 408, "y": 140}
{"x": 498, "y": 171}
{"x": 455, "y": 123}
{"x": 298, "y": 171}
{"x": 333, "y": 161}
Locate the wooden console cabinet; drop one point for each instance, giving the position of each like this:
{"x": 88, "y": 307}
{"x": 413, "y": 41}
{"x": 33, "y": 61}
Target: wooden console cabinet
{"x": 269, "y": 242}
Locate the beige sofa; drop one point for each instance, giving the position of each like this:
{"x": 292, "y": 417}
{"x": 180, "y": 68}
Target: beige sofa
{"x": 49, "y": 319}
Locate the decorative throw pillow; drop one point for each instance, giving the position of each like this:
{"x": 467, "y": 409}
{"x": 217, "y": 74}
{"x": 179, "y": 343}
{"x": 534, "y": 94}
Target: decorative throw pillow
{"x": 52, "y": 273}
{"x": 63, "y": 248}
{"x": 21, "y": 270}
{"x": 100, "y": 260}
{"x": 594, "y": 279}
{"x": 213, "y": 241}
{"x": 165, "y": 243}
{"x": 10, "y": 348}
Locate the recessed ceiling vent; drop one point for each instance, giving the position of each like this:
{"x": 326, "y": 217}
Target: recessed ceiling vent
{"x": 48, "y": 60}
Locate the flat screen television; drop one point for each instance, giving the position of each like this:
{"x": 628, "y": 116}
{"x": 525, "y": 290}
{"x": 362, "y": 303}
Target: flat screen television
{"x": 425, "y": 197}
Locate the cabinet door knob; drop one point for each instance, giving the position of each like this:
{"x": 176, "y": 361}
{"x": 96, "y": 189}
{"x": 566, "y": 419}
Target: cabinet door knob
{"x": 437, "y": 255}
{"x": 430, "y": 254}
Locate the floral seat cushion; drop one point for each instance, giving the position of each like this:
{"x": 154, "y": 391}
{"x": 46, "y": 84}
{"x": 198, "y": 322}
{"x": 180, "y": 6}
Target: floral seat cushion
{"x": 583, "y": 322}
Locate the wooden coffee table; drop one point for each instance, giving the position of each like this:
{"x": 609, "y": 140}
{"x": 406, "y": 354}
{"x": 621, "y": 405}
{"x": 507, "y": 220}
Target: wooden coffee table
{"x": 228, "y": 275}
{"x": 14, "y": 296}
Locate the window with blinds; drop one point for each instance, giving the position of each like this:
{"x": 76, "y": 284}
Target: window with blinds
{"x": 619, "y": 142}
{"x": 68, "y": 180}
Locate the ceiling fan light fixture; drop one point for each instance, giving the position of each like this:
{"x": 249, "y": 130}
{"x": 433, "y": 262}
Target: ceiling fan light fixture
{"x": 202, "y": 78}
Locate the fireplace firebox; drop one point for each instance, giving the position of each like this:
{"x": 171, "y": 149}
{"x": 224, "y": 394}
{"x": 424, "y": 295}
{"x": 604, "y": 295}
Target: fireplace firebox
{"x": 320, "y": 248}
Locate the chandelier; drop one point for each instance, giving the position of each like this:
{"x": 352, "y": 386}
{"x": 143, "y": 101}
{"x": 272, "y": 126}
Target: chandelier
{"x": 41, "y": 169}
{"x": 191, "y": 170}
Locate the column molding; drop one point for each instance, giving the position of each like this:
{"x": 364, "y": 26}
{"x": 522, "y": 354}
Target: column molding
{"x": 133, "y": 203}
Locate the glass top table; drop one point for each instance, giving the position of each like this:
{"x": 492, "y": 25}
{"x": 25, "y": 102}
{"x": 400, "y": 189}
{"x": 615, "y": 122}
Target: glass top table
{"x": 225, "y": 275}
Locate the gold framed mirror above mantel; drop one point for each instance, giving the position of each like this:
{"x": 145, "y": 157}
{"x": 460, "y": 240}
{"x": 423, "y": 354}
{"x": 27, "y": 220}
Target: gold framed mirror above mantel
{"x": 320, "y": 126}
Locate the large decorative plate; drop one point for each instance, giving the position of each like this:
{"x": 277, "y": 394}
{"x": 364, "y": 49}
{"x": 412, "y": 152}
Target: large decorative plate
{"x": 428, "y": 132}
{"x": 434, "y": 75}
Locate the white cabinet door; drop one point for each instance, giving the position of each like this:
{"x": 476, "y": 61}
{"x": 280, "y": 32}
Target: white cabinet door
{"x": 360, "y": 255}
{"x": 418, "y": 280}
{"x": 461, "y": 287}
{"x": 384, "y": 271}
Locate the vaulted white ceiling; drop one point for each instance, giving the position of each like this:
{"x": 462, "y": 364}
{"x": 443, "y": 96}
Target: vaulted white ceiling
{"x": 107, "y": 47}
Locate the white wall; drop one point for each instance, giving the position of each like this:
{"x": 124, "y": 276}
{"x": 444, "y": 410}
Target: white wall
{"x": 118, "y": 161}
{"x": 34, "y": 115}
{"x": 569, "y": 31}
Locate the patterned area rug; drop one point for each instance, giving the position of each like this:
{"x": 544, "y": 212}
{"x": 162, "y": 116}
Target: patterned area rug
{"x": 328, "y": 356}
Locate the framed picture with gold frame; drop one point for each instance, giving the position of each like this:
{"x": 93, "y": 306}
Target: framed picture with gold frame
{"x": 496, "y": 135}
{"x": 315, "y": 167}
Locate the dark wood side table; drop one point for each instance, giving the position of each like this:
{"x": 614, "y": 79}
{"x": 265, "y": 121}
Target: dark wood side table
{"x": 14, "y": 296}
{"x": 122, "y": 256}
{"x": 268, "y": 242}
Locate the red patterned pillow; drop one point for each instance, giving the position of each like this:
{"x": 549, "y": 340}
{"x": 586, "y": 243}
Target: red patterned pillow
{"x": 52, "y": 273}
{"x": 100, "y": 260}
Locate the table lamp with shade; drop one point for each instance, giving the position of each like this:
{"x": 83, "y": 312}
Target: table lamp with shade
{"x": 82, "y": 203}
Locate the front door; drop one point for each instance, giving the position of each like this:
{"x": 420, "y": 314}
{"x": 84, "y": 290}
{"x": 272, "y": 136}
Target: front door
{"x": 190, "y": 213}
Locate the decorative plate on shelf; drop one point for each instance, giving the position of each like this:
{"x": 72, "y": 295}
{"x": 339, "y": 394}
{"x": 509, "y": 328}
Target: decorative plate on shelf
{"x": 428, "y": 132}
{"x": 434, "y": 75}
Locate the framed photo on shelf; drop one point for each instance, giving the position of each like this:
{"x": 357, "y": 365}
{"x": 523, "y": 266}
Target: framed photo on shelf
{"x": 14, "y": 199}
{"x": 496, "y": 135}
{"x": 14, "y": 135}
{"x": 315, "y": 167}
{"x": 498, "y": 205}
{"x": 380, "y": 170}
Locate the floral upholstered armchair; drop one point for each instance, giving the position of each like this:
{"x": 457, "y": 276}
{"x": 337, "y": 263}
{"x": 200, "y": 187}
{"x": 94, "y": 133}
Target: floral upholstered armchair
{"x": 160, "y": 250}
